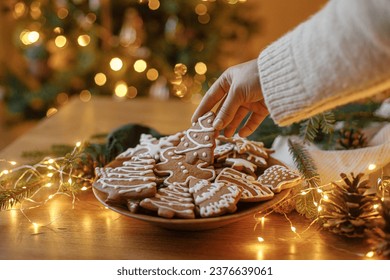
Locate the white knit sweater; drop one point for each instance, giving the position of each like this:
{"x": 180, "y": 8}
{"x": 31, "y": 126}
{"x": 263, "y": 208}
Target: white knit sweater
{"x": 340, "y": 55}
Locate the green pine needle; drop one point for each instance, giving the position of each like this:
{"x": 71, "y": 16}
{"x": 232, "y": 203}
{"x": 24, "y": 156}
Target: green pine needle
{"x": 311, "y": 127}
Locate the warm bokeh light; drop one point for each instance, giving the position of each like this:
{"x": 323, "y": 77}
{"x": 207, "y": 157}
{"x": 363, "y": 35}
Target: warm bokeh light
{"x": 85, "y": 95}
{"x": 152, "y": 74}
{"x": 83, "y": 40}
{"x": 204, "y": 19}
{"x": 180, "y": 69}
{"x": 121, "y": 89}
{"x": 60, "y": 41}
{"x": 19, "y": 9}
{"x": 100, "y": 79}
{"x": 200, "y": 68}
{"x": 51, "y": 112}
{"x": 62, "y": 98}
{"x": 201, "y": 9}
{"x": 116, "y": 64}
{"x": 154, "y": 4}
{"x": 62, "y": 13}
{"x": 132, "y": 92}
{"x": 140, "y": 65}
{"x": 58, "y": 30}
{"x": 28, "y": 37}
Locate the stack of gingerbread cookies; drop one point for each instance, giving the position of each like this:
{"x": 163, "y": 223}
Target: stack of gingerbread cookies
{"x": 193, "y": 174}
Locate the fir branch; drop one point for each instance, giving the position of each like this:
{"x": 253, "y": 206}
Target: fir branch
{"x": 304, "y": 162}
{"x": 311, "y": 127}
{"x": 305, "y": 204}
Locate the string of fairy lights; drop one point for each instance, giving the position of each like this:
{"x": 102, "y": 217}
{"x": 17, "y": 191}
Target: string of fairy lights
{"x": 58, "y": 175}
{"x": 321, "y": 203}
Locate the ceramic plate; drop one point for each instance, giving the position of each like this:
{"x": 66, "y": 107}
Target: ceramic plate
{"x": 244, "y": 210}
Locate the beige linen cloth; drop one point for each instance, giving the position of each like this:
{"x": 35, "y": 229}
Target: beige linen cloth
{"x": 331, "y": 163}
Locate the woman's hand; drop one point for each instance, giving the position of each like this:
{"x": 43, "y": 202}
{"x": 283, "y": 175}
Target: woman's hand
{"x": 239, "y": 91}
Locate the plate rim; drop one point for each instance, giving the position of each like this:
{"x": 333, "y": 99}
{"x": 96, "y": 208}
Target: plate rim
{"x": 227, "y": 218}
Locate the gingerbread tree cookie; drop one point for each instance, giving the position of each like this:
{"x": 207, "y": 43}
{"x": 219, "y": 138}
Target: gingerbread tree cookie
{"x": 214, "y": 199}
{"x": 171, "y": 201}
{"x": 198, "y": 142}
{"x": 180, "y": 171}
{"x": 278, "y": 178}
{"x": 132, "y": 179}
{"x": 252, "y": 190}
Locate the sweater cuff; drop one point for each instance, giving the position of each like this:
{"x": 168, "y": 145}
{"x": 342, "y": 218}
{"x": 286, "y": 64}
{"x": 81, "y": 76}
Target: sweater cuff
{"x": 280, "y": 81}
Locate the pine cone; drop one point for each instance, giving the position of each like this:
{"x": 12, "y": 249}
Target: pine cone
{"x": 351, "y": 138}
{"x": 379, "y": 237}
{"x": 349, "y": 210}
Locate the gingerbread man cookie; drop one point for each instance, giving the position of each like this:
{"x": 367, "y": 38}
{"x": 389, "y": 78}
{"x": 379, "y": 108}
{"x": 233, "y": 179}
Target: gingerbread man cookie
{"x": 179, "y": 170}
{"x": 278, "y": 178}
{"x": 252, "y": 190}
{"x": 198, "y": 142}
{"x": 214, "y": 199}
{"x": 132, "y": 179}
{"x": 172, "y": 201}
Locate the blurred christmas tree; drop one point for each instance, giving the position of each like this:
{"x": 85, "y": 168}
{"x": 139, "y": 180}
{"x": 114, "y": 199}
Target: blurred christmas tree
{"x": 123, "y": 48}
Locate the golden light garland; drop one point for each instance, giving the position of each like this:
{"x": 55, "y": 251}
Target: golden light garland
{"x": 26, "y": 183}
{"x": 324, "y": 192}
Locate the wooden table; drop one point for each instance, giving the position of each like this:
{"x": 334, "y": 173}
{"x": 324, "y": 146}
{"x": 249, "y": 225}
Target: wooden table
{"x": 89, "y": 231}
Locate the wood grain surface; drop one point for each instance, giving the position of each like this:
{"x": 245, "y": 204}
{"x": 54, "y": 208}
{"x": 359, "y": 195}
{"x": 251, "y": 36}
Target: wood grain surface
{"x": 87, "y": 230}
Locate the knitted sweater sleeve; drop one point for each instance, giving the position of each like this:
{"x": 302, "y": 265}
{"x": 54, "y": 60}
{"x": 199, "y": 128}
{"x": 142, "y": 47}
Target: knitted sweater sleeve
{"x": 339, "y": 55}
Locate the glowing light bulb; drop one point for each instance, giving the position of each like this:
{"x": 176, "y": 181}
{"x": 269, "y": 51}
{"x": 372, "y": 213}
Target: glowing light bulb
{"x": 260, "y": 239}
{"x": 293, "y": 229}
{"x": 84, "y": 188}
{"x": 326, "y": 197}
{"x": 370, "y": 254}
{"x": 49, "y": 175}
{"x": 78, "y": 144}
{"x": 48, "y": 185}
{"x": 371, "y": 166}
{"x": 376, "y": 206}
{"x": 50, "y": 160}
{"x": 116, "y": 64}
{"x": 319, "y": 209}
{"x": 12, "y": 162}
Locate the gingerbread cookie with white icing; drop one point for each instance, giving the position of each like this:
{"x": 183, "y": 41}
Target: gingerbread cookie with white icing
{"x": 223, "y": 151}
{"x": 241, "y": 164}
{"x": 278, "y": 178}
{"x": 252, "y": 151}
{"x": 180, "y": 171}
{"x": 198, "y": 142}
{"x": 151, "y": 146}
{"x": 252, "y": 190}
{"x": 172, "y": 201}
{"x": 214, "y": 199}
{"x": 132, "y": 179}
